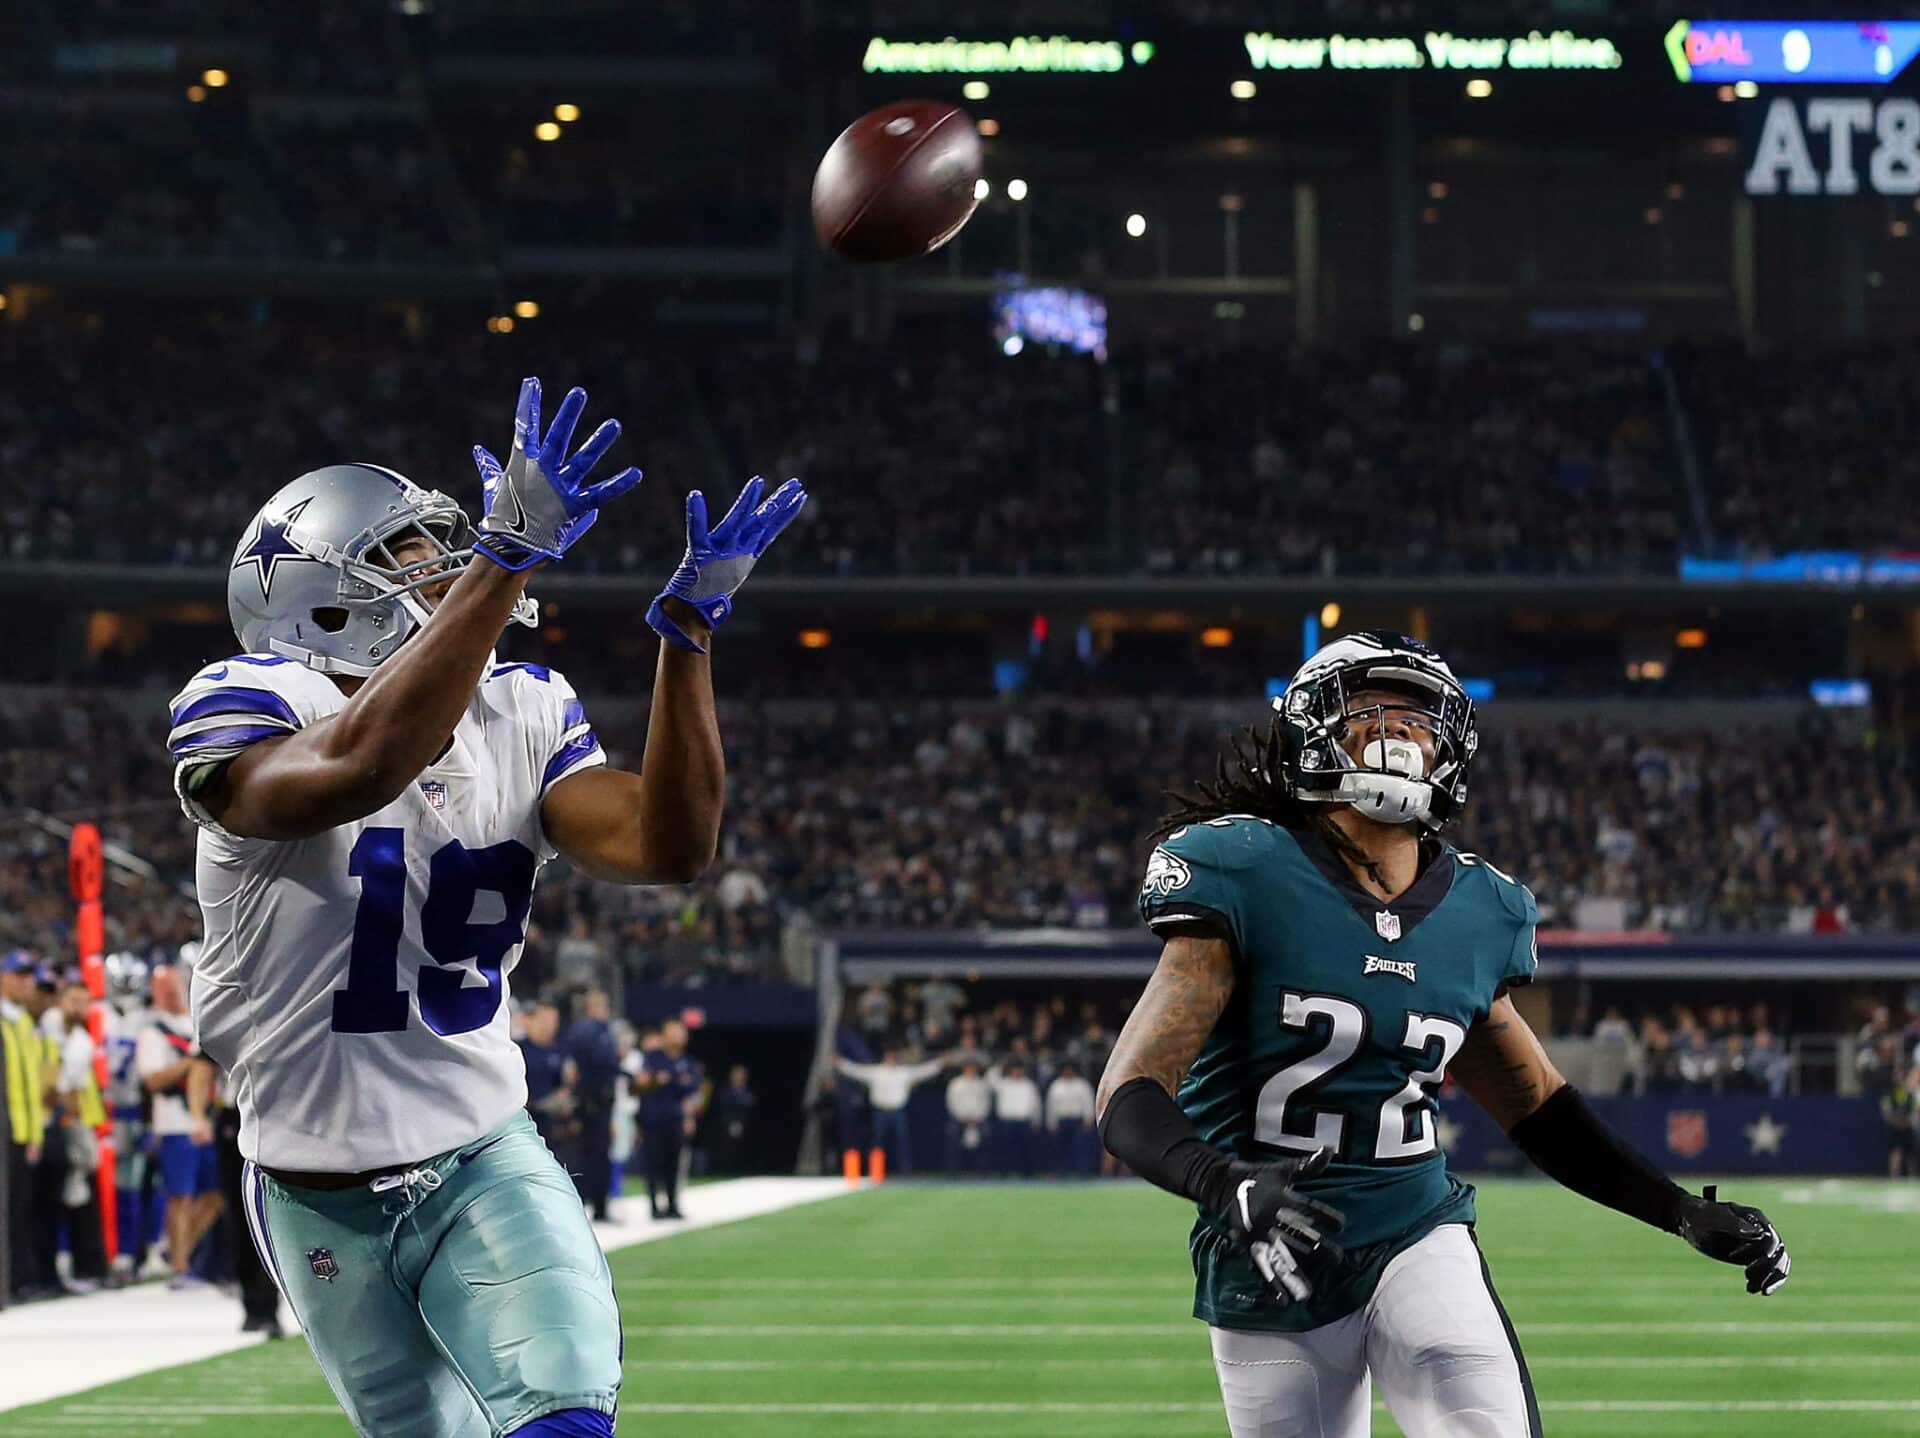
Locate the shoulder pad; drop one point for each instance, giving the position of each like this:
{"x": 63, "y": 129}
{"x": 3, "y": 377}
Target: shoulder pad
{"x": 1234, "y": 841}
{"x": 1515, "y": 897}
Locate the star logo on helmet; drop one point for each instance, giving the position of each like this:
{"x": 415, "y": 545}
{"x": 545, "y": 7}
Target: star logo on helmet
{"x": 271, "y": 547}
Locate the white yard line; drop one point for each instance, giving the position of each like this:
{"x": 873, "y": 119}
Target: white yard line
{"x": 69, "y": 1345}
{"x": 88, "y": 1418}
{"x": 1103, "y": 1362}
{"x": 1135, "y": 1330}
{"x": 160, "y": 1412}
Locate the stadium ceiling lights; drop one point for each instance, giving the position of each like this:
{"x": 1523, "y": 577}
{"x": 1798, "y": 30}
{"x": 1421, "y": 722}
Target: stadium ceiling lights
{"x": 1016, "y": 189}
{"x": 1136, "y": 225}
{"x": 566, "y": 114}
{"x": 546, "y": 130}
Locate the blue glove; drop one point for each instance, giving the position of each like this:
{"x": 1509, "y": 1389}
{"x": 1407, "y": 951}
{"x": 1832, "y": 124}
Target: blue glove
{"x": 718, "y": 562}
{"x": 539, "y": 502}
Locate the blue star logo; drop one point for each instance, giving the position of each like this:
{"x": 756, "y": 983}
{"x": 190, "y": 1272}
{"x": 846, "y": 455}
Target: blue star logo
{"x": 271, "y": 546}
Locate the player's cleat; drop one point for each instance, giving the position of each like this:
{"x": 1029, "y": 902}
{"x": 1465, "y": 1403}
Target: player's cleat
{"x": 1736, "y": 1233}
{"x": 1287, "y": 1234}
{"x": 539, "y": 502}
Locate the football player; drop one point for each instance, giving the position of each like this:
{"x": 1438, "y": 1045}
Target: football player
{"x": 1328, "y": 960}
{"x": 377, "y": 795}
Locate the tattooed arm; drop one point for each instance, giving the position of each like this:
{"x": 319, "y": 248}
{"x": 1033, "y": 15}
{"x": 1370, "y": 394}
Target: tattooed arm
{"x": 1183, "y": 1000}
{"x": 1503, "y": 1068}
{"x": 1287, "y": 1235}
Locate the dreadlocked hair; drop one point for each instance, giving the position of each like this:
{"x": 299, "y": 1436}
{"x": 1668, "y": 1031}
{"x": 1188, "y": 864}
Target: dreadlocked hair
{"x": 1247, "y": 781}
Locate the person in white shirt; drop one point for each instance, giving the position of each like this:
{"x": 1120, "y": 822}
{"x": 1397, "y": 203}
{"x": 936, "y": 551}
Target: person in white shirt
{"x": 1016, "y": 1108}
{"x": 189, "y": 1168}
{"x": 969, "y": 1107}
{"x": 1070, "y": 1121}
{"x": 889, "y": 1085}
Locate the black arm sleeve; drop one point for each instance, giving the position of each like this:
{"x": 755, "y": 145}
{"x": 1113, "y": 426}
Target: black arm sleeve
{"x": 1574, "y": 1148}
{"x": 1147, "y": 1131}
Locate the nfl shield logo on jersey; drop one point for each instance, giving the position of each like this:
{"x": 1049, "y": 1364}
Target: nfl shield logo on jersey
{"x": 320, "y": 1260}
{"x": 1388, "y": 925}
{"x": 435, "y": 791}
{"x": 1687, "y": 1132}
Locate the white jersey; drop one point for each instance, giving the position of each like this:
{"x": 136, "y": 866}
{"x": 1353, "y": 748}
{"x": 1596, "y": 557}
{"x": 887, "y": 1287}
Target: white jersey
{"x": 353, "y": 985}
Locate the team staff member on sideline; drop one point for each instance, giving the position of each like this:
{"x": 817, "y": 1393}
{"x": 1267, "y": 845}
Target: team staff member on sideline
{"x": 26, "y": 1117}
{"x": 189, "y": 1171}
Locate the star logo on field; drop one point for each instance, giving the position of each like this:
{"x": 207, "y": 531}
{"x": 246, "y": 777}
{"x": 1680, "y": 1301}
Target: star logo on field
{"x": 1764, "y": 1135}
{"x": 1445, "y": 1130}
{"x": 271, "y": 547}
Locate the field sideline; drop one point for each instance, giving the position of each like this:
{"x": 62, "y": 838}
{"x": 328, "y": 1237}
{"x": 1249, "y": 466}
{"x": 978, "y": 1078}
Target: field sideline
{"x": 1013, "y": 1311}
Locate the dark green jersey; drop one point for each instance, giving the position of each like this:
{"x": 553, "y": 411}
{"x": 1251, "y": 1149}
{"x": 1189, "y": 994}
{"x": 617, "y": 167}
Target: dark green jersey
{"x": 1345, "y": 1014}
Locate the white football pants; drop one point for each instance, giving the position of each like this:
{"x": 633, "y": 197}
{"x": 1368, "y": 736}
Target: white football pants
{"x": 1434, "y": 1337}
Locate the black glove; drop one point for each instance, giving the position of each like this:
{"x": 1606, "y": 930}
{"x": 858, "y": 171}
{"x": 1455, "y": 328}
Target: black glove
{"x": 1286, "y": 1233}
{"x": 1735, "y": 1233}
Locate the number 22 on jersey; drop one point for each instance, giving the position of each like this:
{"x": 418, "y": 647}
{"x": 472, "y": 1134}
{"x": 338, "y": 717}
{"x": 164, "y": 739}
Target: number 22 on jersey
{"x": 1287, "y": 1118}
{"x": 373, "y": 1001}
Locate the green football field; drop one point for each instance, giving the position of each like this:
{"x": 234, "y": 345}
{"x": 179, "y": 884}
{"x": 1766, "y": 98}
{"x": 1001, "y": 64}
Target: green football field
{"x": 1008, "y": 1311}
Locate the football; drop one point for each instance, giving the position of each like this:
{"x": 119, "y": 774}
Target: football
{"x": 899, "y": 181}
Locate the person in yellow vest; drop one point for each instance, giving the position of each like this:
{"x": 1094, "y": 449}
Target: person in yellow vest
{"x": 82, "y": 1112}
{"x": 43, "y": 1003}
{"x": 26, "y": 1115}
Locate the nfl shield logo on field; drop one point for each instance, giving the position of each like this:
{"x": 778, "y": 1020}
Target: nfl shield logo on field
{"x": 320, "y": 1260}
{"x": 1687, "y": 1132}
{"x": 435, "y": 791}
{"x": 1388, "y": 924}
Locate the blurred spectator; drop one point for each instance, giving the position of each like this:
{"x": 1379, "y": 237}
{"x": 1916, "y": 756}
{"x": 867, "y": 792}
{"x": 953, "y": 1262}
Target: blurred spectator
{"x": 969, "y": 1111}
{"x": 550, "y": 1081}
{"x": 81, "y": 1114}
{"x": 595, "y": 1061}
{"x": 1900, "y": 1112}
{"x": 733, "y": 1108}
{"x": 626, "y": 1105}
{"x": 1069, "y": 1112}
{"x": 1876, "y": 1050}
{"x": 189, "y": 1168}
{"x": 26, "y": 1122}
{"x": 1016, "y": 1117}
{"x": 875, "y": 1008}
{"x": 889, "y": 1085}
{"x": 1766, "y": 1064}
{"x": 940, "y": 1002}
{"x": 1613, "y": 1028}
{"x": 673, "y": 1093}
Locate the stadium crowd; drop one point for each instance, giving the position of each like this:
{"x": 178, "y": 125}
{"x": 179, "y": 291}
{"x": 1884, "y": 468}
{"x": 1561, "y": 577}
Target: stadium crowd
{"x": 1024, "y": 814}
{"x": 1411, "y": 459}
{"x": 1521, "y": 458}
{"x": 1721, "y": 1048}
